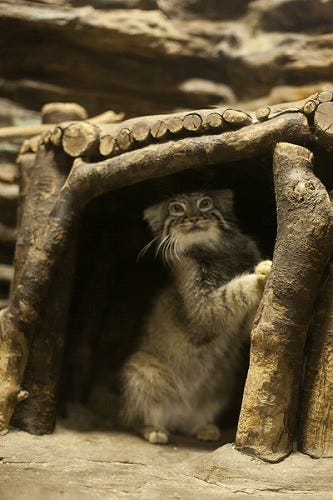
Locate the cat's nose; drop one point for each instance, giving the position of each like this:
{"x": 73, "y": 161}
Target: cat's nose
{"x": 194, "y": 220}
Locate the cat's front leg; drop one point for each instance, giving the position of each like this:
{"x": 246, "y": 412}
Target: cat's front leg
{"x": 262, "y": 271}
{"x": 243, "y": 293}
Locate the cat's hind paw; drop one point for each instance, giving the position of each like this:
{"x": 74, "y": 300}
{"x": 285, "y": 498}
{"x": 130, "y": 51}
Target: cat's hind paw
{"x": 207, "y": 432}
{"x": 154, "y": 435}
{"x": 262, "y": 271}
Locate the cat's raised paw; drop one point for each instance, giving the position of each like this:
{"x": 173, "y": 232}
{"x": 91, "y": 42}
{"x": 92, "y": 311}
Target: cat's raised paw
{"x": 154, "y": 435}
{"x": 262, "y": 271}
{"x": 208, "y": 432}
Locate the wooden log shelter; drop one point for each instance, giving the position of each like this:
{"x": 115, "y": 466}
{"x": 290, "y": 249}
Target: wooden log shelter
{"x": 288, "y": 397}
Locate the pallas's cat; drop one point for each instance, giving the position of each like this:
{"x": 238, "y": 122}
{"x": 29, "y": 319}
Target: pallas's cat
{"x": 183, "y": 375}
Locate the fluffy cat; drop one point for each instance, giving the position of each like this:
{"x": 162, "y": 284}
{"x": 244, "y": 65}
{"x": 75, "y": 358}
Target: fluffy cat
{"x": 183, "y": 376}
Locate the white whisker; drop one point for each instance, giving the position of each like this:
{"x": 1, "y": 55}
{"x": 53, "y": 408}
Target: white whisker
{"x": 161, "y": 244}
{"x": 175, "y": 247}
{"x": 145, "y": 249}
{"x": 168, "y": 252}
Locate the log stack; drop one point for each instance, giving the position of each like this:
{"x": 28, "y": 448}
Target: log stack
{"x": 293, "y": 326}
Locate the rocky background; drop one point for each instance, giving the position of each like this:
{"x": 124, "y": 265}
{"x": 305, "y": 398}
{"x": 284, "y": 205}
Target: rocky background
{"x": 151, "y": 56}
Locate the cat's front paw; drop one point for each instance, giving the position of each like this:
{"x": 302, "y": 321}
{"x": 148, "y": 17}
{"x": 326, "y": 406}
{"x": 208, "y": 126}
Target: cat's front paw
{"x": 154, "y": 435}
{"x": 262, "y": 271}
{"x": 207, "y": 432}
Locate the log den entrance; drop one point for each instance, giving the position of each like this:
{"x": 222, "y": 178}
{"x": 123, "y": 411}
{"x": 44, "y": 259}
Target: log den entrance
{"x": 83, "y": 187}
{"x": 114, "y": 286}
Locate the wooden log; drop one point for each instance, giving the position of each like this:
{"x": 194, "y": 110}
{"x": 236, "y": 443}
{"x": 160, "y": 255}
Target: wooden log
{"x": 262, "y": 114}
{"x": 140, "y": 132}
{"x": 13, "y": 359}
{"x": 25, "y": 163}
{"x": 46, "y": 137}
{"x": 80, "y": 138}
{"x": 323, "y": 121}
{"x": 316, "y": 422}
{"x": 325, "y": 96}
{"x": 56, "y": 136}
{"x": 159, "y": 129}
{"x": 107, "y": 145}
{"x": 123, "y": 139}
{"x": 35, "y": 142}
{"x": 26, "y": 131}
{"x": 37, "y": 414}
{"x": 23, "y": 131}
{"x": 25, "y": 147}
{"x": 214, "y": 121}
{"x": 175, "y": 125}
{"x": 237, "y": 118}
{"x": 267, "y": 420}
{"x": 171, "y": 157}
{"x": 55, "y": 112}
{"x": 310, "y": 107}
{"x": 192, "y": 122}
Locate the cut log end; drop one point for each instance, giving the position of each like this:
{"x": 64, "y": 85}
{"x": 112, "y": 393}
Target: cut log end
{"x": 237, "y": 118}
{"x": 310, "y": 107}
{"x": 192, "y": 122}
{"x": 124, "y": 140}
{"x": 80, "y": 138}
{"x": 175, "y": 125}
{"x": 140, "y": 132}
{"x": 262, "y": 114}
{"x": 159, "y": 129}
{"x": 107, "y": 145}
{"x": 214, "y": 121}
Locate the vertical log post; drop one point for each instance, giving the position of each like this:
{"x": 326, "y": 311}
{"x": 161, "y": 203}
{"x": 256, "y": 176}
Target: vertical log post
{"x": 267, "y": 421}
{"x": 316, "y": 429}
{"x": 41, "y": 380}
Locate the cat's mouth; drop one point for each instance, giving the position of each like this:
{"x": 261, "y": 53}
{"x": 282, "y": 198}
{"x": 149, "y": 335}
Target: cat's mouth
{"x": 201, "y": 232}
{"x": 190, "y": 227}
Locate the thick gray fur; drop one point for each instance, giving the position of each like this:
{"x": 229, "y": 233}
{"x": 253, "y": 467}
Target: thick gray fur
{"x": 183, "y": 376}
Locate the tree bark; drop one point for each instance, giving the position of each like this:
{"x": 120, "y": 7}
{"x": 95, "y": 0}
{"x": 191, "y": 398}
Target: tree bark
{"x": 323, "y": 120}
{"x": 316, "y": 425}
{"x": 267, "y": 421}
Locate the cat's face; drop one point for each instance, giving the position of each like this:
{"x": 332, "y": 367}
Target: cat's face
{"x": 190, "y": 219}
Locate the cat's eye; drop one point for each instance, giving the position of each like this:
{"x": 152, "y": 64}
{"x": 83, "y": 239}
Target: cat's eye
{"x": 205, "y": 203}
{"x": 176, "y": 208}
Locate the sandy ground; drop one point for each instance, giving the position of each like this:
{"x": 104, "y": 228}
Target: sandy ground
{"x": 82, "y": 462}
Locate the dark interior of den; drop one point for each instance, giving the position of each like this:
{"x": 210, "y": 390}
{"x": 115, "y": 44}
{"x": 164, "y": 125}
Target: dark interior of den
{"x": 113, "y": 288}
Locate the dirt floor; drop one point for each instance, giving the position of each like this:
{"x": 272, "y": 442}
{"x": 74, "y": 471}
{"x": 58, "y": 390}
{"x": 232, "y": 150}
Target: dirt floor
{"x": 81, "y": 462}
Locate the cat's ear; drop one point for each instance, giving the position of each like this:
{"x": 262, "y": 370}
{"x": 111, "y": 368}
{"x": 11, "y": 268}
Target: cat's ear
{"x": 225, "y": 199}
{"x": 154, "y": 216}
